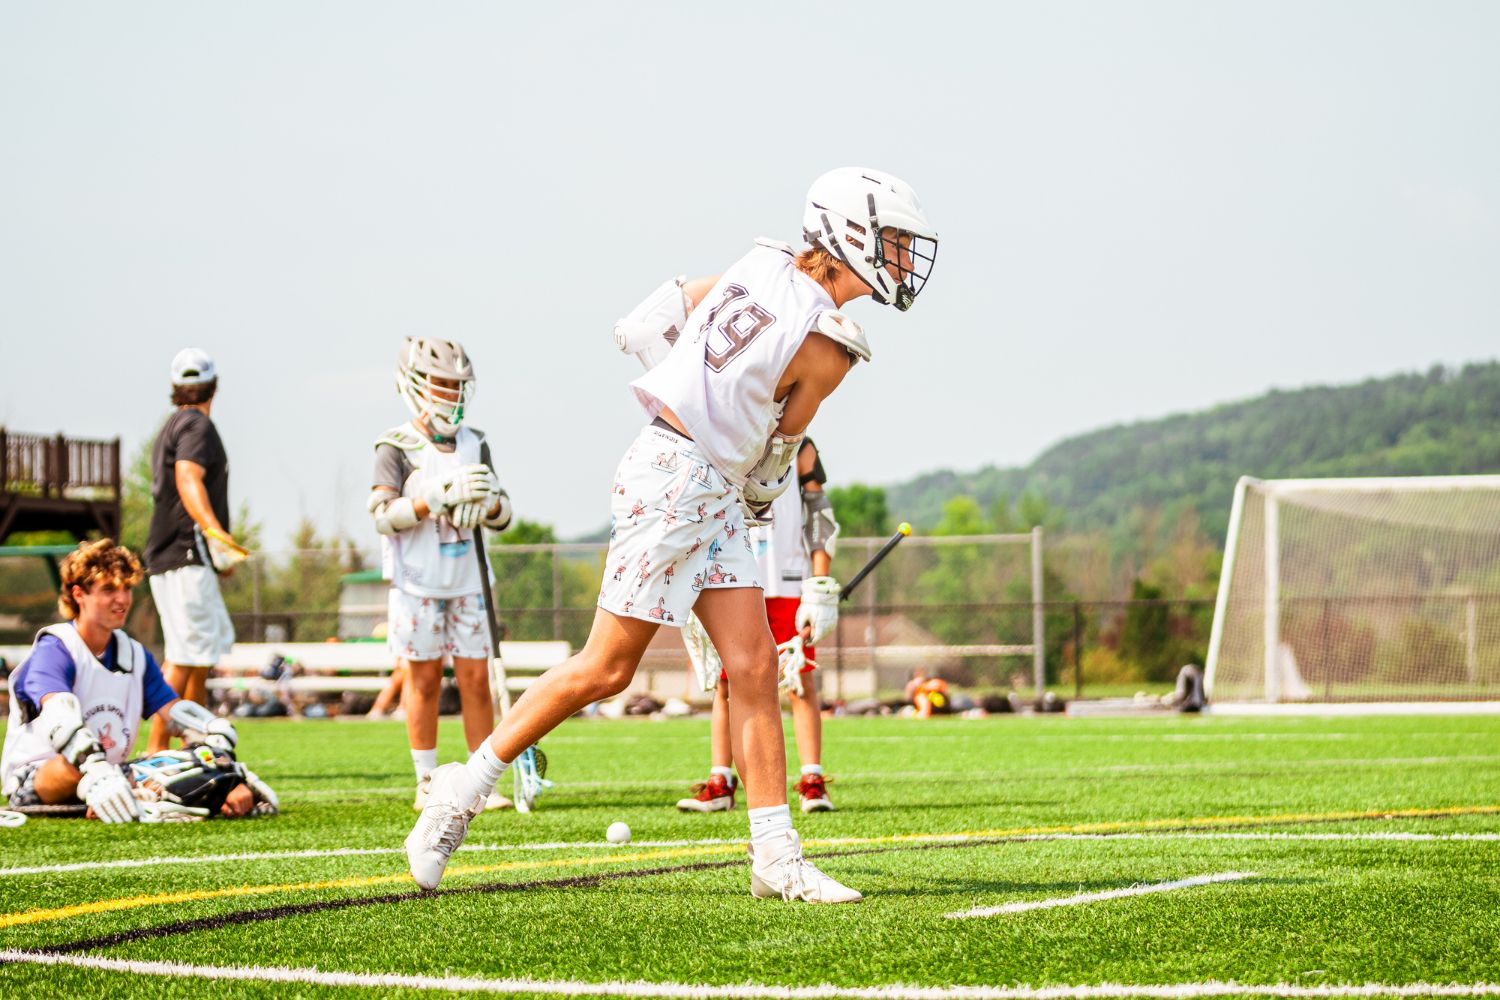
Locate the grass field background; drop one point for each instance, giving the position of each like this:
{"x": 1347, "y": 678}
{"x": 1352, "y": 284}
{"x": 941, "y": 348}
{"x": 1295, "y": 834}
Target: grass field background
{"x": 1374, "y": 843}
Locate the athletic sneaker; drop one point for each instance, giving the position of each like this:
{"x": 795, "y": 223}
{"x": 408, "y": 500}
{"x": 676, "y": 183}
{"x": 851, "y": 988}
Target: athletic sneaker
{"x": 814, "y": 792}
{"x": 495, "y": 801}
{"x": 777, "y": 868}
{"x": 441, "y": 827}
{"x": 714, "y": 795}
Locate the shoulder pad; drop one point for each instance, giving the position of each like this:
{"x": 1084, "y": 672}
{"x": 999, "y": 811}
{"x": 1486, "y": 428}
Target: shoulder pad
{"x": 836, "y": 326}
{"x": 770, "y": 244}
{"x": 402, "y": 437}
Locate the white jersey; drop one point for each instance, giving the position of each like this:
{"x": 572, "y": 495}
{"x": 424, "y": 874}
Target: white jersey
{"x": 781, "y": 549}
{"x": 111, "y": 701}
{"x": 433, "y": 558}
{"x": 721, "y": 376}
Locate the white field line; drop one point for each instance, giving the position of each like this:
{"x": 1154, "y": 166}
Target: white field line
{"x": 746, "y": 991}
{"x": 589, "y": 845}
{"x": 1096, "y": 897}
{"x": 323, "y": 791}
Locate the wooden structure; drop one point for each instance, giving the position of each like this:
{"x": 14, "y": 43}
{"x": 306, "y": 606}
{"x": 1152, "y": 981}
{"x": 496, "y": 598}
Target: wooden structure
{"x": 59, "y": 484}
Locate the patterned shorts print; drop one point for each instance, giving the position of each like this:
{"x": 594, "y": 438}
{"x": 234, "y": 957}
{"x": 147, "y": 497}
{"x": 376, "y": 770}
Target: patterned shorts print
{"x": 675, "y": 531}
{"x": 430, "y": 628}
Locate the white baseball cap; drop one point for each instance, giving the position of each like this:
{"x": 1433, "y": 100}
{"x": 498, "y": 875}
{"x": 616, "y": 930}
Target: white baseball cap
{"x": 193, "y": 366}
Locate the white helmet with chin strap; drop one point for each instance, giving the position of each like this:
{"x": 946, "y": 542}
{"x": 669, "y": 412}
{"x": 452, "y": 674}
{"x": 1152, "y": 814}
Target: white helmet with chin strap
{"x": 848, "y": 209}
{"x": 421, "y": 362}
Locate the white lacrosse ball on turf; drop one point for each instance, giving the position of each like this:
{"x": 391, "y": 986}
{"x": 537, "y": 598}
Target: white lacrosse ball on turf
{"x": 618, "y": 833}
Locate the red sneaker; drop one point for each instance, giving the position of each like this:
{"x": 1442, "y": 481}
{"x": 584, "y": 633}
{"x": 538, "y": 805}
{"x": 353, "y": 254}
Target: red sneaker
{"x": 714, "y": 795}
{"x": 814, "y": 792}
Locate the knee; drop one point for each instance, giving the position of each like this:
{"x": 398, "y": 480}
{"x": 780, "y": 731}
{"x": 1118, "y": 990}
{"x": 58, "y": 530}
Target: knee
{"x": 612, "y": 678}
{"x": 752, "y": 666}
{"x": 425, "y": 678}
{"x": 471, "y": 676}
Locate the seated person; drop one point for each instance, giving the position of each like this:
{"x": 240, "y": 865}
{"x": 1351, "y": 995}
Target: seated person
{"x": 78, "y": 700}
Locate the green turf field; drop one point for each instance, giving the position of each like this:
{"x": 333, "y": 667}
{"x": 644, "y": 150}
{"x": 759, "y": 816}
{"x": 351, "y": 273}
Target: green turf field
{"x": 1352, "y": 851}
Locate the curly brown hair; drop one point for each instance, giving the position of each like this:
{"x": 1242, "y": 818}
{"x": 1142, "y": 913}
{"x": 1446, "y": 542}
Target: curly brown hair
{"x": 192, "y": 395}
{"x": 96, "y": 562}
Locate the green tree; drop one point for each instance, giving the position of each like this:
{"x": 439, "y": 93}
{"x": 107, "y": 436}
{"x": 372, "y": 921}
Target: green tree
{"x": 860, "y": 509}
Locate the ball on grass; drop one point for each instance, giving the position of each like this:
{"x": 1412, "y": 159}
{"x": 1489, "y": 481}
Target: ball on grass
{"x": 618, "y": 833}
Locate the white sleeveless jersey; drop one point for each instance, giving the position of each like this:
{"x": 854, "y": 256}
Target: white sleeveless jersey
{"x": 433, "y": 558}
{"x": 720, "y": 378}
{"x": 111, "y": 702}
{"x": 780, "y": 548}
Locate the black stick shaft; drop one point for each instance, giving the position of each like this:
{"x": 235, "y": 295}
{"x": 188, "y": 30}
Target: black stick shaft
{"x": 868, "y": 567}
{"x": 489, "y": 597}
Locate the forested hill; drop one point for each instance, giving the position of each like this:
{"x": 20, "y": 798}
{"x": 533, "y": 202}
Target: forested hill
{"x": 1443, "y": 422}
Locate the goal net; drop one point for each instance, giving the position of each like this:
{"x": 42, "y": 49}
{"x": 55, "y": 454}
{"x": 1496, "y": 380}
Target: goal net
{"x": 1359, "y": 590}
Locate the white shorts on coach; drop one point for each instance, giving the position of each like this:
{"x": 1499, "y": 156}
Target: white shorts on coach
{"x": 193, "y": 618}
{"x": 675, "y": 530}
{"x": 430, "y": 628}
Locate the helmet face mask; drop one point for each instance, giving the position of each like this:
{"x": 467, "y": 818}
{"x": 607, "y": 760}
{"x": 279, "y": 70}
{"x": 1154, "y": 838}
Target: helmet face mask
{"x": 436, "y": 381}
{"x": 874, "y": 225}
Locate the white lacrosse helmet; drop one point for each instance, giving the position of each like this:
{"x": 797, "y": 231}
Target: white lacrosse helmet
{"x": 421, "y": 362}
{"x": 849, "y": 208}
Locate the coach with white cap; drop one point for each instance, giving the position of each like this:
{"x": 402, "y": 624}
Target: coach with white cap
{"x": 189, "y": 544}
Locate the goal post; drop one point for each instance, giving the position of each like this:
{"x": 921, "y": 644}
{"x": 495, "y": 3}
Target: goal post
{"x": 1378, "y": 590}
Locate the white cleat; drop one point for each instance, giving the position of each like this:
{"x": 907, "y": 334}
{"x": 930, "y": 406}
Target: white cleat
{"x": 423, "y": 784}
{"x": 496, "y": 801}
{"x": 779, "y": 869}
{"x": 441, "y": 827}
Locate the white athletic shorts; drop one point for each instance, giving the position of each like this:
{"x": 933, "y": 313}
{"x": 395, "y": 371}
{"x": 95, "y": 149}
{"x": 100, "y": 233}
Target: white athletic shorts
{"x": 430, "y": 628}
{"x": 675, "y": 530}
{"x": 193, "y": 617}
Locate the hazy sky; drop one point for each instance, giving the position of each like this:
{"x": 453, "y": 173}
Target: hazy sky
{"x": 1144, "y": 208}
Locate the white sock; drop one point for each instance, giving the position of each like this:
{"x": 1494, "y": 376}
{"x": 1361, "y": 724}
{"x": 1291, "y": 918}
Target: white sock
{"x": 812, "y": 769}
{"x": 424, "y": 761}
{"x": 727, "y": 773}
{"x": 484, "y": 769}
{"x": 769, "y": 822}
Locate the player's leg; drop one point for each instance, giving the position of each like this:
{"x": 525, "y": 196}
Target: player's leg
{"x": 391, "y": 693}
{"x": 473, "y": 679}
{"x": 424, "y": 685}
{"x": 807, "y": 724}
{"x": 736, "y": 622}
{"x": 196, "y": 628}
{"x": 717, "y": 793}
{"x": 602, "y": 669}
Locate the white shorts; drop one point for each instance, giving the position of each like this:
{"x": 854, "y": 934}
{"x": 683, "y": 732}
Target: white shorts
{"x": 430, "y": 628}
{"x": 193, "y": 618}
{"x": 675, "y": 530}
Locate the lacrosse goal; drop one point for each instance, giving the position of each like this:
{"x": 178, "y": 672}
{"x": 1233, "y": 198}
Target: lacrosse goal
{"x": 1359, "y": 591}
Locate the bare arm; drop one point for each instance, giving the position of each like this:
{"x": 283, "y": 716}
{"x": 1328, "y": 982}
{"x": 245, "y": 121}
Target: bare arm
{"x": 194, "y": 494}
{"x": 694, "y": 290}
{"x": 818, "y": 367}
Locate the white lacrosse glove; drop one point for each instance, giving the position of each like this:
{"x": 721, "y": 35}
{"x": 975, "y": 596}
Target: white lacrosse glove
{"x": 757, "y": 515}
{"x": 224, "y": 552}
{"x": 199, "y": 725}
{"x": 791, "y": 657}
{"x": 819, "y": 609}
{"x": 705, "y": 659}
{"x": 467, "y": 515}
{"x": 266, "y": 801}
{"x": 106, "y": 790}
{"x": 469, "y": 482}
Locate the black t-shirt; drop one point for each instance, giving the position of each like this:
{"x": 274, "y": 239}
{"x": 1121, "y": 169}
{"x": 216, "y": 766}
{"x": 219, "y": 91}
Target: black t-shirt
{"x": 189, "y": 436}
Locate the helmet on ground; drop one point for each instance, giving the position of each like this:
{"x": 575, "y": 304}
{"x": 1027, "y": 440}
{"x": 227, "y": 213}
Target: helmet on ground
{"x": 423, "y": 361}
{"x": 848, "y": 211}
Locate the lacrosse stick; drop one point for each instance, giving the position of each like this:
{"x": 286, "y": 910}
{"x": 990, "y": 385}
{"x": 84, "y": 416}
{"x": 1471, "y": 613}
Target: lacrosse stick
{"x": 530, "y": 768}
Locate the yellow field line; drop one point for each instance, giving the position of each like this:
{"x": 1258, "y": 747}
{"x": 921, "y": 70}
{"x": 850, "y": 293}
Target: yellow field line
{"x": 1123, "y": 826}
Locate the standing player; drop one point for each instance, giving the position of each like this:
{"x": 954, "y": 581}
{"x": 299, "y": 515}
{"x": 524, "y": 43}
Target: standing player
{"x": 434, "y": 483}
{"x": 763, "y": 346}
{"x": 78, "y": 698}
{"x": 800, "y": 538}
{"x": 188, "y": 544}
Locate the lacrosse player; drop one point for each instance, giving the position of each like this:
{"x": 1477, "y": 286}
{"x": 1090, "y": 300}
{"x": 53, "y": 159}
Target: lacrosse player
{"x": 78, "y": 697}
{"x": 756, "y": 351}
{"x": 800, "y": 537}
{"x": 434, "y": 483}
{"x": 188, "y": 544}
